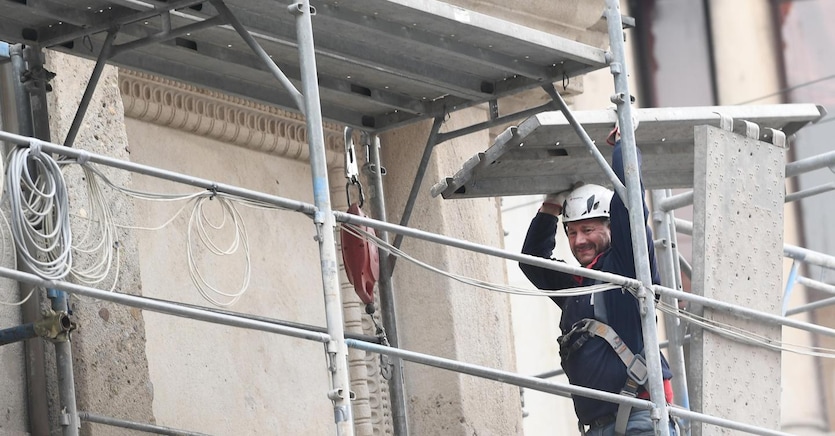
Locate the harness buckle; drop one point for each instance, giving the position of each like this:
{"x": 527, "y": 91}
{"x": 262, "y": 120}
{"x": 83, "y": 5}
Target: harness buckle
{"x": 567, "y": 347}
{"x": 637, "y": 369}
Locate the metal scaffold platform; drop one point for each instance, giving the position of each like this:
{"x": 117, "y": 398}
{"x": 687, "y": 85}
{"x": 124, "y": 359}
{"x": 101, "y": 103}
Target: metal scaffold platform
{"x": 428, "y": 59}
{"x": 543, "y": 154}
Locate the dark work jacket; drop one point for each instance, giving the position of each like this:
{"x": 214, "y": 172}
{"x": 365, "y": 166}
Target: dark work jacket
{"x": 595, "y": 364}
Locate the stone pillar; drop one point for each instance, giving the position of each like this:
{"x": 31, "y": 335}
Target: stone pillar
{"x": 111, "y": 368}
{"x": 738, "y": 256}
{"x": 439, "y": 316}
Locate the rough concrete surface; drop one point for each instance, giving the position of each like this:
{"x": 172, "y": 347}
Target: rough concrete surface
{"x": 111, "y": 370}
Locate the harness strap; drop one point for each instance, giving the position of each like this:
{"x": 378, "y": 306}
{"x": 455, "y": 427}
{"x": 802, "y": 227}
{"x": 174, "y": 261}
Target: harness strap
{"x": 599, "y": 305}
{"x": 630, "y": 389}
{"x": 636, "y": 368}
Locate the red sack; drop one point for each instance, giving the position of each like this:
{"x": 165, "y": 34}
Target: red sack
{"x": 361, "y": 259}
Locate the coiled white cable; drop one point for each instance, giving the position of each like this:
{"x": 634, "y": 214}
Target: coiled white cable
{"x": 95, "y": 250}
{"x": 198, "y": 223}
{"x": 39, "y": 213}
{"x": 5, "y": 253}
{"x": 202, "y": 231}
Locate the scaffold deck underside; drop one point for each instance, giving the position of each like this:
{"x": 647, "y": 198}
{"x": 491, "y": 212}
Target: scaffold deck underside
{"x": 381, "y": 63}
{"x": 544, "y": 154}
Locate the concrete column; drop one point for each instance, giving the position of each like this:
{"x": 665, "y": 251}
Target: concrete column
{"x": 439, "y": 316}
{"x": 738, "y": 240}
{"x": 111, "y": 368}
{"x": 743, "y": 48}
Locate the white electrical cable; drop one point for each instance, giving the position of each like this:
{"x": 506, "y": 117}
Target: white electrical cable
{"x": 745, "y": 336}
{"x": 508, "y": 289}
{"x": 201, "y": 230}
{"x": 39, "y": 213}
{"x": 98, "y": 244}
{"x": 200, "y": 221}
{"x": 14, "y": 260}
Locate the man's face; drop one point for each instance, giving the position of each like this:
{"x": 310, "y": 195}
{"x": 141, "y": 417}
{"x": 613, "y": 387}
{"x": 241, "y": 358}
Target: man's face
{"x": 588, "y": 238}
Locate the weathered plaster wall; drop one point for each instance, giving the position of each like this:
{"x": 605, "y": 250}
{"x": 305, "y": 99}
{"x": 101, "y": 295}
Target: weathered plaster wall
{"x": 247, "y": 382}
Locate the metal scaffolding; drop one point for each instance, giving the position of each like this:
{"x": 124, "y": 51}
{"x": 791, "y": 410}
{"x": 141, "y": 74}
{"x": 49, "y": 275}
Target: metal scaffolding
{"x": 484, "y": 76}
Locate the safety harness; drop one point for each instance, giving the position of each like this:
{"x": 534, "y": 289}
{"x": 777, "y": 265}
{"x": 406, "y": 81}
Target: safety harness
{"x": 636, "y": 368}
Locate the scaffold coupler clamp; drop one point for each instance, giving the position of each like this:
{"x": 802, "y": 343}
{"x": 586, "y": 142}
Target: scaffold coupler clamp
{"x": 341, "y": 413}
{"x": 36, "y": 77}
{"x": 55, "y": 326}
{"x": 213, "y": 191}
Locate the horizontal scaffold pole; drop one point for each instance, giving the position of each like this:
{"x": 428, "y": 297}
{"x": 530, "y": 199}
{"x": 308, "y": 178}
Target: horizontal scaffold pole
{"x": 734, "y": 425}
{"x": 165, "y": 307}
{"x": 744, "y": 312}
{"x": 790, "y": 251}
{"x": 508, "y": 377}
{"x": 123, "y": 423}
{"x": 83, "y": 155}
{"x": 486, "y": 249}
{"x": 539, "y": 384}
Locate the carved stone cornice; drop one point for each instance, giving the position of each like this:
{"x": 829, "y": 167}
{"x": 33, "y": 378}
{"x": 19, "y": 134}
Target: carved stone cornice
{"x": 222, "y": 117}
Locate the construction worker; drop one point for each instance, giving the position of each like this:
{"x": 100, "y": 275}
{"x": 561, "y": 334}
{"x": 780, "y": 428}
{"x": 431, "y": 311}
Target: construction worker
{"x": 597, "y": 225}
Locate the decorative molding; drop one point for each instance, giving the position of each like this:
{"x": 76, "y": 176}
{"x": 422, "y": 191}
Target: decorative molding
{"x": 223, "y": 117}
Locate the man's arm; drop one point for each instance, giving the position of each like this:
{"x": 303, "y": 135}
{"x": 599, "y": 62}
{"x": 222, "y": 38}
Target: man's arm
{"x": 540, "y": 242}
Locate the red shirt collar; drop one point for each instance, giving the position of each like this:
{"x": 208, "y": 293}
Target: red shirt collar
{"x": 579, "y": 279}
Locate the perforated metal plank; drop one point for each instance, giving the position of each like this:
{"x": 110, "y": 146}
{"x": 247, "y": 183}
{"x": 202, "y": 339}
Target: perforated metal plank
{"x": 737, "y": 252}
{"x": 382, "y": 63}
{"x": 544, "y": 154}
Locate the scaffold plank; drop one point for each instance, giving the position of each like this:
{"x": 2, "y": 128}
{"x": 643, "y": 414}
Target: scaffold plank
{"x": 544, "y": 154}
{"x": 381, "y": 63}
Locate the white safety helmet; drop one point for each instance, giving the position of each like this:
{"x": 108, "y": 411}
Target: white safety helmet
{"x": 587, "y": 201}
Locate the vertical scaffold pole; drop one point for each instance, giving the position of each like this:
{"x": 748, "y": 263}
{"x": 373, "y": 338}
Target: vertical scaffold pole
{"x": 622, "y": 99}
{"x": 667, "y": 258}
{"x": 397, "y": 394}
{"x": 337, "y": 351}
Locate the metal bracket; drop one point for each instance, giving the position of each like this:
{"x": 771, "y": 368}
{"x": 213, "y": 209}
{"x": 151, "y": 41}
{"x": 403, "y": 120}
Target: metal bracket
{"x": 341, "y": 414}
{"x": 778, "y": 138}
{"x": 64, "y": 418}
{"x": 747, "y": 128}
{"x": 33, "y": 77}
{"x": 725, "y": 122}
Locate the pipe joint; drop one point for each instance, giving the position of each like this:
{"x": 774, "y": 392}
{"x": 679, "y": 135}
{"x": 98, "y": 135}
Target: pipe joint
{"x": 55, "y": 326}
{"x": 339, "y": 394}
{"x": 298, "y": 9}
